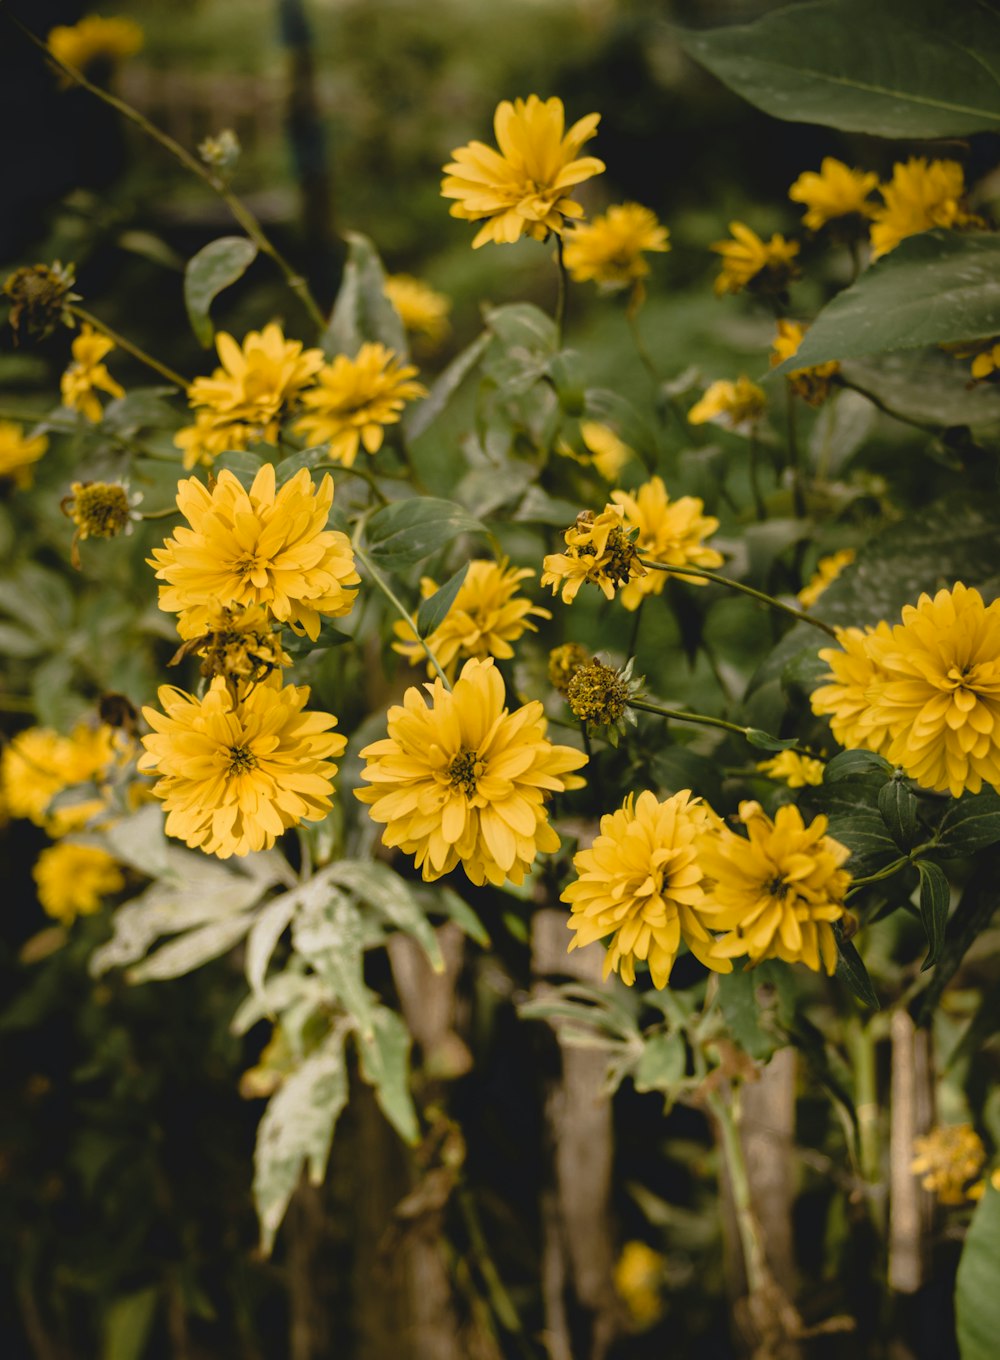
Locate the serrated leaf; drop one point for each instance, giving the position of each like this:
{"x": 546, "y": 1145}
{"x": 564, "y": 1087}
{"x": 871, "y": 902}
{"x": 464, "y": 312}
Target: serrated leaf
{"x": 296, "y": 1130}
{"x": 327, "y": 932}
{"x": 362, "y": 311}
{"x": 434, "y": 609}
{"x": 878, "y": 69}
{"x": 402, "y": 534}
{"x": 385, "y": 1065}
{"x": 215, "y": 267}
{"x": 977, "y": 1299}
{"x": 421, "y": 415}
{"x": 969, "y": 825}
{"x": 852, "y": 969}
{"x": 897, "y": 804}
{"x": 662, "y": 1065}
{"x": 935, "y": 898}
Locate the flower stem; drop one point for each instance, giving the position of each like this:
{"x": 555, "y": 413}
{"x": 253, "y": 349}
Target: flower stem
{"x": 754, "y": 1260}
{"x": 758, "y": 499}
{"x": 173, "y": 378}
{"x": 239, "y": 210}
{"x": 645, "y": 357}
{"x": 397, "y": 604}
{"x": 758, "y": 595}
{"x": 706, "y": 720}
{"x": 887, "y": 872}
{"x": 794, "y": 462}
{"x": 563, "y": 288}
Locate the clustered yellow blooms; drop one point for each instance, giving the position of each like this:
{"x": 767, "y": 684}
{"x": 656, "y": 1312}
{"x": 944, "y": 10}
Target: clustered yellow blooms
{"x": 670, "y": 532}
{"x": 354, "y": 399}
{"x": 610, "y": 250}
{"x": 486, "y": 616}
{"x": 921, "y": 194}
{"x": 606, "y": 453}
{"x": 463, "y": 780}
{"x": 88, "y": 374}
{"x": 73, "y": 880}
{"x": 748, "y": 261}
{"x": 736, "y": 404}
{"x": 638, "y": 1277}
{"x": 522, "y": 188}
{"x": 827, "y": 571}
{"x": 947, "y": 1159}
{"x": 239, "y": 641}
{"x": 837, "y": 191}
{"x": 422, "y": 310}
{"x": 793, "y": 769}
{"x": 660, "y": 873}
{"x": 811, "y": 383}
{"x": 924, "y": 693}
{"x": 19, "y": 454}
{"x": 93, "y": 40}
{"x": 39, "y": 763}
{"x": 599, "y": 549}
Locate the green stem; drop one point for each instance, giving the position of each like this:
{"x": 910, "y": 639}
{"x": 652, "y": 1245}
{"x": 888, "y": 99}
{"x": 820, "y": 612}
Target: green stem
{"x": 636, "y": 621}
{"x": 926, "y": 426}
{"x": 794, "y": 462}
{"x": 173, "y": 378}
{"x": 706, "y": 720}
{"x": 500, "y": 1301}
{"x": 758, "y": 500}
{"x": 239, "y": 210}
{"x": 591, "y": 767}
{"x": 645, "y": 357}
{"x": 160, "y": 514}
{"x": 563, "y": 289}
{"x": 397, "y": 604}
{"x": 887, "y": 872}
{"x": 355, "y": 472}
{"x": 862, "y": 1045}
{"x": 758, "y": 595}
{"x": 754, "y": 1260}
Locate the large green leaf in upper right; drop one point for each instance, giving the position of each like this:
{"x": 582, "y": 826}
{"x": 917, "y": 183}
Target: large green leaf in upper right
{"x": 895, "y": 68}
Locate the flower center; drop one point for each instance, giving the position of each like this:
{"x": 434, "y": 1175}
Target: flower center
{"x": 464, "y": 771}
{"x": 778, "y": 887}
{"x": 246, "y": 565}
{"x": 100, "y": 509}
{"x": 241, "y": 760}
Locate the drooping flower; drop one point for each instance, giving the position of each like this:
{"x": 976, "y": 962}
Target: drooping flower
{"x": 256, "y": 384}
{"x": 641, "y": 883}
{"x": 522, "y": 188}
{"x": 779, "y": 891}
{"x": 94, "y": 40}
{"x": 39, "y": 763}
{"x": 748, "y": 260}
{"x": 73, "y": 880}
{"x": 921, "y": 194}
{"x": 811, "y": 383}
{"x": 422, "y": 309}
{"x": 234, "y": 774}
{"x": 855, "y": 680}
{"x": 669, "y": 531}
{"x": 88, "y": 374}
{"x": 605, "y": 452}
{"x": 639, "y": 1275}
{"x": 598, "y": 549}
{"x": 793, "y": 769}
{"x": 487, "y": 615}
{"x": 836, "y": 191}
{"x": 19, "y": 454}
{"x": 827, "y": 571}
{"x": 564, "y": 662}
{"x": 947, "y": 1159}
{"x": 260, "y": 546}
{"x": 463, "y": 780}
{"x": 354, "y": 399}
{"x": 736, "y": 404}
{"x": 611, "y": 249}
{"x": 40, "y": 298}
{"x": 236, "y": 641}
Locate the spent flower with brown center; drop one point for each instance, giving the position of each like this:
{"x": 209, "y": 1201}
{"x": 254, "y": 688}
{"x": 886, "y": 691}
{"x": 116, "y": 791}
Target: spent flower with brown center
{"x": 599, "y": 549}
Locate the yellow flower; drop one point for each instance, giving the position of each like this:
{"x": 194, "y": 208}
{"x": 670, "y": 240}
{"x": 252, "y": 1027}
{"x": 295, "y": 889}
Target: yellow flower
{"x": 638, "y": 1277}
{"x": 605, "y": 451}
{"x": 259, "y": 547}
{"x": 522, "y": 188}
{"x": 235, "y": 641}
{"x": 827, "y": 571}
{"x": 749, "y": 260}
{"x": 668, "y": 531}
{"x": 354, "y": 398}
{"x": 487, "y": 615}
{"x": 641, "y": 883}
{"x": 921, "y": 194}
{"x": 19, "y": 455}
{"x": 986, "y": 362}
{"x": 792, "y": 769}
{"x": 940, "y": 698}
{"x": 564, "y": 662}
{"x": 94, "y": 39}
{"x": 236, "y": 774}
{"x": 73, "y": 880}
{"x": 855, "y": 681}
{"x": 609, "y": 250}
{"x": 463, "y": 780}
{"x": 203, "y": 441}
{"x": 836, "y": 191}
{"x": 811, "y": 383}
{"x": 599, "y": 550}
{"x": 87, "y": 375}
{"x": 947, "y": 1158}
{"x": 779, "y": 890}
{"x": 736, "y": 404}
{"x": 422, "y": 310}
{"x": 256, "y": 382}
{"x": 39, "y": 763}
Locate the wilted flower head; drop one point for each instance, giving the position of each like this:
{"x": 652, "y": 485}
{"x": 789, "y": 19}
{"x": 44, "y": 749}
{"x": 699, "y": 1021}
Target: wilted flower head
{"x": 599, "y": 549}
{"x": 73, "y": 880}
{"x": 564, "y": 662}
{"x": 422, "y": 310}
{"x": 18, "y": 454}
{"x": 921, "y": 194}
{"x": 354, "y": 399}
{"x": 40, "y": 295}
{"x": 610, "y": 250}
{"x": 599, "y": 695}
{"x": 238, "y": 642}
{"x": 837, "y": 191}
{"x": 827, "y": 571}
{"x": 671, "y": 532}
{"x": 811, "y": 383}
{"x": 749, "y": 261}
{"x": 522, "y": 188}
{"x": 736, "y": 404}
{"x": 88, "y": 374}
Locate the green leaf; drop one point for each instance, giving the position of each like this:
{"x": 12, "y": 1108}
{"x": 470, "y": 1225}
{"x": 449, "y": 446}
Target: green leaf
{"x": 139, "y": 841}
{"x": 863, "y": 831}
{"x": 935, "y": 898}
{"x": 864, "y": 766}
{"x": 243, "y": 465}
{"x": 191, "y": 950}
{"x": 927, "y": 385}
{"x": 434, "y": 609}
{"x": 568, "y": 375}
{"x": 296, "y": 1130}
{"x": 420, "y": 416}
{"x": 898, "y": 805}
{"x": 538, "y": 507}
{"x": 900, "y": 68}
{"x": 662, "y": 1065}
{"x": 933, "y": 288}
{"x": 385, "y": 1064}
{"x": 839, "y": 431}
{"x": 380, "y": 887}
{"x": 970, "y": 825}
{"x": 522, "y": 325}
{"x": 852, "y": 969}
{"x": 977, "y": 1299}
{"x": 269, "y": 924}
{"x": 328, "y": 933}
{"x": 765, "y": 742}
{"x": 215, "y": 267}
{"x": 362, "y": 310}
{"x": 448, "y": 902}
{"x": 678, "y": 767}
{"x": 127, "y": 1324}
{"x": 975, "y": 910}
{"x": 15, "y": 642}
{"x": 401, "y": 534}
{"x": 738, "y": 1000}
{"x": 329, "y": 636}
{"x": 295, "y": 462}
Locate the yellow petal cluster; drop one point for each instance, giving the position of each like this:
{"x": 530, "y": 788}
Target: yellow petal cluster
{"x": 463, "y": 780}
{"x": 235, "y": 773}
{"x": 522, "y": 188}
{"x": 487, "y": 615}
{"x": 747, "y": 259}
{"x": 262, "y": 546}
{"x": 855, "y": 678}
{"x": 202, "y": 442}
{"x": 638, "y": 1276}
{"x": 947, "y": 1159}
{"x": 599, "y": 550}
{"x": 779, "y": 889}
{"x": 827, "y": 571}
{"x": 671, "y": 532}
{"x": 88, "y": 374}
{"x": 736, "y": 404}
{"x": 354, "y": 399}
{"x": 39, "y": 763}
{"x": 921, "y": 194}
{"x": 811, "y": 383}
{"x": 94, "y": 39}
{"x": 19, "y": 454}
{"x": 610, "y": 250}
{"x": 421, "y": 308}
{"x": 793, "y": 769}
{"x": 73, "y": 880}
{"x": 836, "y": 191}
{"x": 604, "y": 450}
